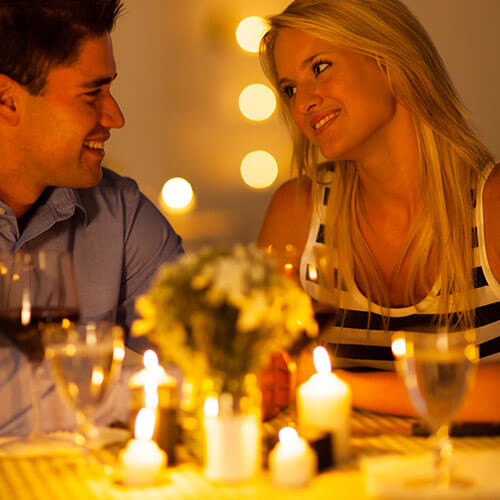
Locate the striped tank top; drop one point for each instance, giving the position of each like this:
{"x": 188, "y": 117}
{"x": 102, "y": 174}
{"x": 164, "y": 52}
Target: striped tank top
{"x": 352, "y": 343}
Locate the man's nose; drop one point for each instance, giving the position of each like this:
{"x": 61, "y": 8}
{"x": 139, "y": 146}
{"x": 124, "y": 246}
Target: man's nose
{"x": 111, "y": 114}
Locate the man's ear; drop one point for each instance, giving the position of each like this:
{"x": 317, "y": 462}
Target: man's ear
{"x": 9, "y": 92}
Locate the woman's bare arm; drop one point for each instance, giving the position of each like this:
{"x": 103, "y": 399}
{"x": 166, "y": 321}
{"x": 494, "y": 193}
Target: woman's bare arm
{"x": 288, "y": 216}
{"x": 385, "y": 392}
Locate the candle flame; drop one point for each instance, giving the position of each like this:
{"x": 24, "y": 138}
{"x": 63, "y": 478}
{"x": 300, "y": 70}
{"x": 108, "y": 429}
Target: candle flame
{"x": 145, "y": 424}
{"x": 287, "y": 435}
{"x": 211, "y": 407}
{"x": 150, "y": 359}
{"x": 321, "y": 360}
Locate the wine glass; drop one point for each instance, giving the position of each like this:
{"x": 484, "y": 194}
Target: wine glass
{"x": 37, "y": 288}
{"x": 438, "y": 369}
{"x": 85, "y": 359}
{"x": 283, "y": 366}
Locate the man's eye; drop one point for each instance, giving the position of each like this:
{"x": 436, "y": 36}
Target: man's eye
{"x": 93, "y": 93}
{"x": 288, "y": 91}
{"x": 320, "y": 66}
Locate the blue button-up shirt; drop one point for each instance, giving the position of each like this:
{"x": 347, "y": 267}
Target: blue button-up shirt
{"x": 118, "y": 239}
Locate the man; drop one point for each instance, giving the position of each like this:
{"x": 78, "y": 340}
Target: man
{"x": 56, "y": 113}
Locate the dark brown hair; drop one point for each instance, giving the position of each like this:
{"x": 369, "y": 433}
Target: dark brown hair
{"x": 37, "y": 35}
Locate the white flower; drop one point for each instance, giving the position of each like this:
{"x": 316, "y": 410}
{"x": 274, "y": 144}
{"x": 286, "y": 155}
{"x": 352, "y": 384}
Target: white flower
{"x": 253, "y": 312}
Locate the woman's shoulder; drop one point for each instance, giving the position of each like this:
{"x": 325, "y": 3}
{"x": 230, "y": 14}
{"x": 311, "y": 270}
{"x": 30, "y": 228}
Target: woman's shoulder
{"x": 289, "y": 214}
{"x": 491, "y": 199}
{"x": 491, "y": 194}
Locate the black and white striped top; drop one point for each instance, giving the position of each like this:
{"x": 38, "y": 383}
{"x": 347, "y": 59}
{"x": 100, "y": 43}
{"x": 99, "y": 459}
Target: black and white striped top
{"x": 354, "y": 344}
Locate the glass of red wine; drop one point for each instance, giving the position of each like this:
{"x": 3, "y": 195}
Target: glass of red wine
{"x": 36, "y": 288}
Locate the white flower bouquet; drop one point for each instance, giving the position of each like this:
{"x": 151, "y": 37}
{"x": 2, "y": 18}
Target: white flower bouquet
{"x": 221, "y": 314}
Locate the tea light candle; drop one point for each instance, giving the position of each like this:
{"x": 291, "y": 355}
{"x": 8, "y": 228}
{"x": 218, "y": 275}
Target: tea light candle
{"x": 291, "y": 461}
{"x": 142, "y": 460}
{"x": 324, "y": 404}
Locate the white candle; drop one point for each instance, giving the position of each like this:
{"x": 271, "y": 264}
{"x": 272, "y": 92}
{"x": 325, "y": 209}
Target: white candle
{"x": 292, "y": 462}
{"x": 232, "y": 441}
{"x": 142, "y": 460}
{"x": 324, "y": 404}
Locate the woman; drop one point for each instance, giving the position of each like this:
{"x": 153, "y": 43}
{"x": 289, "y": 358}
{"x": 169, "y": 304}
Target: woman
{"x": 390, "y": 212}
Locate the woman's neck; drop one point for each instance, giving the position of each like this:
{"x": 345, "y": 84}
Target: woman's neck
{"x": 389, "y": 173}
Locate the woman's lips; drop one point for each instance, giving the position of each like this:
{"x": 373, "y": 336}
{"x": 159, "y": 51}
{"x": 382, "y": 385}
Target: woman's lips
{"x": 319, "y": 124}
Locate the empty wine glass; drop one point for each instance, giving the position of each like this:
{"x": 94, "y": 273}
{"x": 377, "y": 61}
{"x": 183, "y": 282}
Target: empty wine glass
{"x": 37, "y": 288}
{"x": 438, "y": 369}
{"x": 85, "y": 360}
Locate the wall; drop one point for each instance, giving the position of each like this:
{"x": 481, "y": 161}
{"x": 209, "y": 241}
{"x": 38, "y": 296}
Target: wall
{"x": 180, "y": 75}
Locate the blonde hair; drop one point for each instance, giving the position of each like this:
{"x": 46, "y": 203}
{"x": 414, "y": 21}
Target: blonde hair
{"x": 451, "y": 156}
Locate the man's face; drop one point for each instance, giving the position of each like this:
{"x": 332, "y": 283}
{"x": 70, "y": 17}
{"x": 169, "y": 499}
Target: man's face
{"x": 62, "y": 132}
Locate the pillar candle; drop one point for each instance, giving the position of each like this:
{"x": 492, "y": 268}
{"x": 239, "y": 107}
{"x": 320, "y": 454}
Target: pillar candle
{"x": 153, "y": 388}
{"x": 324, "y": 404}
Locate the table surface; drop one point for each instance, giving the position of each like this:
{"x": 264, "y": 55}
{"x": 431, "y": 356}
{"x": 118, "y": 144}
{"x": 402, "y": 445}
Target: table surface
{"x": 372, "y": 435}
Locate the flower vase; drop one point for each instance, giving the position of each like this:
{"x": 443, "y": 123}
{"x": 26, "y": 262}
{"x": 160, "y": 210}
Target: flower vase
{"x": 232, "y": 433}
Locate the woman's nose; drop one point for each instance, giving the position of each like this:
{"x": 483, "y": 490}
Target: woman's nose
{"x": 307, "y": 98}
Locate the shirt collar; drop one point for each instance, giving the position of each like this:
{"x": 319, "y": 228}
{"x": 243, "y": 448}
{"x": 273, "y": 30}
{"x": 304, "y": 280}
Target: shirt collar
{"x": 63, "y": 202}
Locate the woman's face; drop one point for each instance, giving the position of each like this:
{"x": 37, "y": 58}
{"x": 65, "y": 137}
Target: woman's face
{"x": 339, "y": 99}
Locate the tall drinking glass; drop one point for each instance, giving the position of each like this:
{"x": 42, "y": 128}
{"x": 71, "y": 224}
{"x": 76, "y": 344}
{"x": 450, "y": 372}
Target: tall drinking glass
{"x": 438, "y": 369}
{"x": 85, "y": 360}
{"x": 37, "y": 288}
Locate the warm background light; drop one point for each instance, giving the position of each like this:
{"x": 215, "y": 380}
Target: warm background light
{"x": 177, "y": 194}
{"x": 257, "y": 102}
{"x": 250, "y": 31}
{"x": 259, "y": 169}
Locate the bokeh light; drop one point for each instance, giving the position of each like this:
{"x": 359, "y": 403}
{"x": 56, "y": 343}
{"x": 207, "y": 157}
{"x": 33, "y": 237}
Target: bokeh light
{"x": 259, "y": 169}
{"x": 257, "y": 102}
{"x": 250, "y": 31}
{"x": 177, "y": 194}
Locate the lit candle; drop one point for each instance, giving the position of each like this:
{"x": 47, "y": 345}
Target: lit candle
{"x": 149, "y": 378}
{"x": 292, "y": 462}
{"x": 324, "y": 404}
{"x": 142, "y": 460}
{"x": 232, "y": 440}
{"x": 153, "y": 388}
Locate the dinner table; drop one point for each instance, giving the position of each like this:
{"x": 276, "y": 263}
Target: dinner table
{"x": 383, "y": 447}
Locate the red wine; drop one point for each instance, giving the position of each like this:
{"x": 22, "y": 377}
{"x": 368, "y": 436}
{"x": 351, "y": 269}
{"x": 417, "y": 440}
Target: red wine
{"x": 28, "y": 338}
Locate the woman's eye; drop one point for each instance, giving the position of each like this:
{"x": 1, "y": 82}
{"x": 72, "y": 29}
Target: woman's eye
{"x": 288, "y": 91}
{"x": 320, "y": 66}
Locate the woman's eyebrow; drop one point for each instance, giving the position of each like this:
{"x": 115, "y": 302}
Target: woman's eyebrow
{"x": 304, "y": 63}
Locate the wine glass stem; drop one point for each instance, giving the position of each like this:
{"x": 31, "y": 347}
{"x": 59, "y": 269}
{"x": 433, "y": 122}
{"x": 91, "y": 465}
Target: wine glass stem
{"x": 292, "y": 370}
{"x": 443, "y": 452}
{"x": 35, "y": 372}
